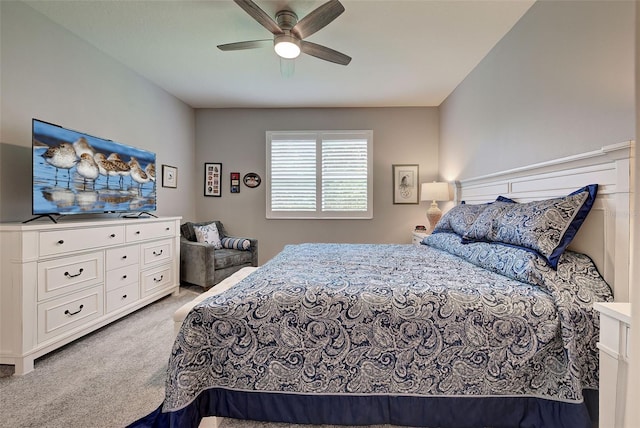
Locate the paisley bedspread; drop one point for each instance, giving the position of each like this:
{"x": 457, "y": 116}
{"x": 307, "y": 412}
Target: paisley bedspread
{"x": 342, "y": 322}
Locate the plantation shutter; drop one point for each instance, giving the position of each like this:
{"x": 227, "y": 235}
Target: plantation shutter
{"x": 344, "y": 175}
{"x": 319, "y": 174}
{"x": 293, "y": 174}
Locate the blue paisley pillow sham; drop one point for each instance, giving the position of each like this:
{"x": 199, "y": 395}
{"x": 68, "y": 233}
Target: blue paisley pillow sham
{"x": 481, "y": 228}
{"x": 515, "y": 263}
{"x": 461, "y": 217}
{"x": 546, "y": 227}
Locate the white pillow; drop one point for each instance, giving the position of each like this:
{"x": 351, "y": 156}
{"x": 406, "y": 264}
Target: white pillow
{"x": 209, "y": 234}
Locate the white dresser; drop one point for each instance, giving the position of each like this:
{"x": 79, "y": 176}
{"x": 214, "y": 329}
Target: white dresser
{"x": 615, "y": 327}
{"x": 62, "y": 281}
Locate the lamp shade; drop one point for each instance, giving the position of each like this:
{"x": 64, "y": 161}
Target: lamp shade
{"x": 435, "y": 192}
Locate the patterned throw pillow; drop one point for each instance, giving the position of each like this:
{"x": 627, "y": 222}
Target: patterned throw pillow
{"x": 236, "y": 243}
{"x": 546, "y": 227}
{"x": 209, "y": 234}
{"x": 482, "y": 227}
{"x": 513, "y": 262}
{"x": 461, "y": 222}
{"x": 460, "y": 218}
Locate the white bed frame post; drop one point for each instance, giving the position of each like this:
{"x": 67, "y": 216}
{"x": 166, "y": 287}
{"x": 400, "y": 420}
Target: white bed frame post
{"x": 606, "y": 234}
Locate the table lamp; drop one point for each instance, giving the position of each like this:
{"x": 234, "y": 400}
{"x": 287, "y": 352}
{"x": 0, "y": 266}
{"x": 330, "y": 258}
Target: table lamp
{"x": 433, "y": 192}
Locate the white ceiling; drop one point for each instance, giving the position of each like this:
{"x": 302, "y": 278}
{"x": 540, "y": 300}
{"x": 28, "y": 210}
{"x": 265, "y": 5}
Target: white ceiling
{"x": 405, "y": 53}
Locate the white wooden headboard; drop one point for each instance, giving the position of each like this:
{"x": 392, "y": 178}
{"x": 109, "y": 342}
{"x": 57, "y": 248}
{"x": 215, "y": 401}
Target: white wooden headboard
{"x": 605, "y": 234}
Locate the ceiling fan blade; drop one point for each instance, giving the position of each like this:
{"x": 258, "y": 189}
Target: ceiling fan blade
{"x": 259, "y": 15}
{"x": 317, "y": 19}
{"x": 287, "y": 67}
{"x": 324, "y": 53}
{"x": 252, "y": 44}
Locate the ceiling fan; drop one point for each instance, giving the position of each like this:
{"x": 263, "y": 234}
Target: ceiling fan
{"x": 289, "y": 33}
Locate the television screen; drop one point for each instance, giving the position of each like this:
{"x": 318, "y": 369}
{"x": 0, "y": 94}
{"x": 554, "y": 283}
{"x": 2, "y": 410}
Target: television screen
{"x": 77, "y": 173}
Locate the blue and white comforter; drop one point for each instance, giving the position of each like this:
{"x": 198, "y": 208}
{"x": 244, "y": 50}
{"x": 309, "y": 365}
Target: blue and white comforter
{"x": 396, "y": 320}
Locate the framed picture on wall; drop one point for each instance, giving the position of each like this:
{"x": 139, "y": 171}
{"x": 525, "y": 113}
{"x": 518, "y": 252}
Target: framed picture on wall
{"x": 169, "y": 176}
{"x": 405, "y": 184}
{"x": 213, "y": 179}
{"x": 235, "y": 182}
{"x": 252, "y": 180}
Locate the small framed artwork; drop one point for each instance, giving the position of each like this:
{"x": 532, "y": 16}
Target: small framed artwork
{"x": 213, "y": 179}
{"x": 169, "y": 176}
{"x": 405, "y": 184}
{"x": 235, "y": 182}
{"x": 251, "y": 180}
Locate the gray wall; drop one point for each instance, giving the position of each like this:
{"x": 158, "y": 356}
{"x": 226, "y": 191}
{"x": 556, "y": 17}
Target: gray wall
{"x": 236, "y": 138}
{"x": 50, "y": 74}
{"x": 560, "y": 82}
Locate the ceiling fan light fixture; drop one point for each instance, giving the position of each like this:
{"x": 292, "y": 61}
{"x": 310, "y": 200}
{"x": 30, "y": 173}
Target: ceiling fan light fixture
{"x": 287, "y": 46}
{"x": 290, "y": 35}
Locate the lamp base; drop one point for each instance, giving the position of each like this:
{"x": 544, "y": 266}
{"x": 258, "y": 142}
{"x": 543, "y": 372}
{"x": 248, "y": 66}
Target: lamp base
{"x": 433, "y": 215}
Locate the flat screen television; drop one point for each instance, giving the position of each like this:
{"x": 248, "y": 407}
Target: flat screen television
{"x": 77, "y": 173}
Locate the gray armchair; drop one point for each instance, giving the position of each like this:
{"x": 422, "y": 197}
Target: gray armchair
{"x": 201, "y": 264}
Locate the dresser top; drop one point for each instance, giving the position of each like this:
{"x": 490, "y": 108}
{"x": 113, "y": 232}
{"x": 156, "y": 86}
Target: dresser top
{"x": 71, "y": 223}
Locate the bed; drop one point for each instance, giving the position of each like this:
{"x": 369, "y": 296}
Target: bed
{"x": 483, "y": 325}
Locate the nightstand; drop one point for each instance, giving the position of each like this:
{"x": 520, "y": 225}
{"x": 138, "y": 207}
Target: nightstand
{"x": 418, "y": 237}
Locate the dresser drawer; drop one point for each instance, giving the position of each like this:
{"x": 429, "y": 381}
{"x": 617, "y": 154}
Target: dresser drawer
{"x": 122, "y": 256}
{"x": 68, "y": 240}
{"x": 142, "y": 231}
{"x": 63, "y": 314}
{"x": 69, "y": 274}
{"x": 123, "y": 296}
{"x": 117, "y": 278}
{"x": 156, "y": 279}
{"x": 156, "y": 252}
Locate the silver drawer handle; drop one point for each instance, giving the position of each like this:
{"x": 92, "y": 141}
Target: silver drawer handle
{"x": 68, "y": 275}
{"x": 157, "y": 254}
{"x": 158, "y": 280}
{"x": 73, "y": 313}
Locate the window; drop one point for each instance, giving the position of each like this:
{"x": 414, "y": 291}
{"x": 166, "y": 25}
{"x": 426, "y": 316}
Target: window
{"x": 323, "y": 174}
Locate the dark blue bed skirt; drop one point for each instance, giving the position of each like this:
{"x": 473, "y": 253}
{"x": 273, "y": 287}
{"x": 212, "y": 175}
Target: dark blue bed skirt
{"x": 459, "y": 412}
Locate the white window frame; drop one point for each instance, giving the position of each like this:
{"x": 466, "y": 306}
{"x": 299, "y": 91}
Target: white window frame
{"x": 319, "y": 136}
